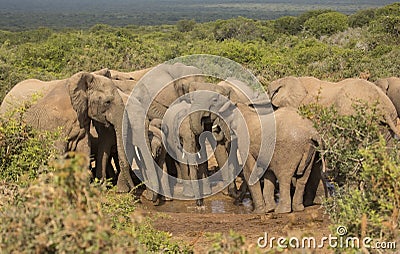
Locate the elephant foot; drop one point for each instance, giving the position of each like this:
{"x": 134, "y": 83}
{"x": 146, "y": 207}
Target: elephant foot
{"x": 123, "y": 188}
{"x": 259, "y": 210}
{"x": 283, "y": 209}
{"x": 270, "y": 208}
{"x": 150, "y": 195}
{"x": 200, "y": 202}
{"x": 167, "y": 198}
{"x": 298, "y": 207}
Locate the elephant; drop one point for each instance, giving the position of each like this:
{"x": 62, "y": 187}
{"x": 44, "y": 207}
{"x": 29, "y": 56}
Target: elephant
{"x": 72, "y": 104}
{"x": 294, "y": 92}
{"x": 287, "y": 154}
{"x": 162, "y": 85}
{"x": 24, "y": 91}
{"x": 184, "y": 147}
{"x": 391, "y": 87}
{"x": 238, "y": 92}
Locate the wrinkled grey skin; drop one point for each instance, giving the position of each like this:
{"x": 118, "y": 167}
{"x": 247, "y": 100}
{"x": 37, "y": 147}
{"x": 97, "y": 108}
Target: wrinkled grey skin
{"x": 293, "y": 155}
{"x": 154, "y": 83}
{"x": 181, "y": 136}
{"x": 391, "y": 87}
{"x": 135, "y": 135}
{"x": 237, "y": 92}
{"x": 237, "y": 126}
{"x": 96, "y": 97}
{"x": 294, "y": 92}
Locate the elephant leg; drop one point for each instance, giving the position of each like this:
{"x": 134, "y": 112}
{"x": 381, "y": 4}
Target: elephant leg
{"x": 301, "y": 182}
{"x": 221, "y": 156}
{"x": 103, "y": 155}
{"x": 194, "y": 176}
{"x": 315, "y": 186}
{"x": 165, "y": 185}
{"x": 187, "y": 186}
{"x": 255, "y": 189}
{"x": 269, "y": 191}
{"x": 285, "y": 202}
{"x": 202, "y": 174}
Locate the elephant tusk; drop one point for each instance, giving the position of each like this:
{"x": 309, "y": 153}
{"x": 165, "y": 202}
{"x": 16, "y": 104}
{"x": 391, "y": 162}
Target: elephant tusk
{"x": 137, "y": 153}
{"x": 214, "y": 127}
{"x": 183, "y": 155}
{"x": 198, "y": 154}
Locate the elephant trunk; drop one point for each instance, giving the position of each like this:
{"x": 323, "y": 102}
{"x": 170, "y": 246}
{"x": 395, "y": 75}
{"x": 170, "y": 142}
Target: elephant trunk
{"x": 125, "y": 182}
{"x": 195, "y": 122}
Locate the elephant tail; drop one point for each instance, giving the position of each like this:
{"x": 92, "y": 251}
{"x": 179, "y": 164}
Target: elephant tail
{"x": 307, "y": 160}
{"x": 392, "y": 126}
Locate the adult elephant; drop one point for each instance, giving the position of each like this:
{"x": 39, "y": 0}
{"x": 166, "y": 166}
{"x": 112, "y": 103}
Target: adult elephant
{"x": 294, "y": 92}
{"x": 287, "y": 153}
{"x": 162, "y": 85}
{"x": 73, "y": 103}
{"x": 391, "y": 87}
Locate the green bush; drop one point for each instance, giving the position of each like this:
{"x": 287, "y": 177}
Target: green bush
{"x": 327, "y": 23}
{"x": 361, "y": 18}
{"x": 287, "y": 25}
{"x": 185, "y": 25}
{"x": 60, "y": 212}
{"x": 364, "y": 170}
{"x": 24, "y": 151}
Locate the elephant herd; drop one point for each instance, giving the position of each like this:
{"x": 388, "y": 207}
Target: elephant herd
{"x": 159, "y": 120}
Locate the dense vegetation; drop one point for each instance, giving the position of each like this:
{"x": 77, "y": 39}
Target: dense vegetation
{"x": 321, "y": 43}
{"x": 316, "y": 43}
{"x": 26, "y": 14}
{"x": 364, "y": 168}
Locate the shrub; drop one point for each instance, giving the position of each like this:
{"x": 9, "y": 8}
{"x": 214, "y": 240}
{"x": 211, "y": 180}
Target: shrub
{"x": 185, "y": 25}
{"x": 364, "y": 170}
{"x": 24, "y": 150}
{"x": 361, "y": 18}
{"x": 287, "y": 25}
{"x": 59, "y": 212}
{"x": 327, "y": 23}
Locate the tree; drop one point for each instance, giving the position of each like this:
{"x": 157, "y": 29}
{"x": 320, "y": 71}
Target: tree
{"x": 286, "y": 25}
{"x": 185, "y": 25}
{"x": 361, "y": 18}
{"x": 327, "y": 23}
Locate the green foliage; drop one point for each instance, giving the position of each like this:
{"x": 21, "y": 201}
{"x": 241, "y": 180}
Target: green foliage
{"x": 364, "y": 169}
{"x": 287, "y": 25}
{"x": 156, "y": 241}
{"x": 361, "y": 18}
{"x": 185, "y": 25}
{"x": 60, "y": 213}
{"x": 326, "y": 23}
{"x": 24, "y": 151}
{"x": 227, "y": 243}
{"x": 240, "y": 28}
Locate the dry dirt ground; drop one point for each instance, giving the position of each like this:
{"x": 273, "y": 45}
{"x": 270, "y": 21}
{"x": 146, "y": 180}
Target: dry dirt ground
{"x": 193, "y": 226}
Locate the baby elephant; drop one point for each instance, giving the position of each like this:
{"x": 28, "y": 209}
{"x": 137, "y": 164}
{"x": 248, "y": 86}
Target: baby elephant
{"x": 292, "y": 159}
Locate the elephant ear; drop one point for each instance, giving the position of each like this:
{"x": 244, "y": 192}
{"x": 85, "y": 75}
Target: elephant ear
{"x": 78, "y": 86}
{"x": 383, "y": 84}
{"x": 287, "y": 92}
